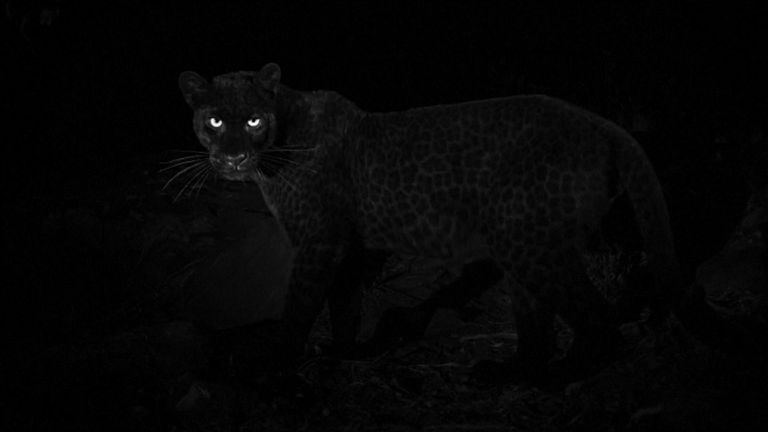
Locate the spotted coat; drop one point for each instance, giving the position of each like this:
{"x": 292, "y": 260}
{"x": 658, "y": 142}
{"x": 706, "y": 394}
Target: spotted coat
{"x": 522, "y": 181}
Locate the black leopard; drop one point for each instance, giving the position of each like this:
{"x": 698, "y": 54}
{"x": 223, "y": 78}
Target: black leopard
{"x": 511, "y": 185}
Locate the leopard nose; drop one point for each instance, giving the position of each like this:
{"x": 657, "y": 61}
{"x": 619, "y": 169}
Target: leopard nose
{"x": 233, "y": 161}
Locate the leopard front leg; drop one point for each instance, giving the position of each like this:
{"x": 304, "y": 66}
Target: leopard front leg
{"x": 313, "y": 274}
{"x": 359, "y": 269}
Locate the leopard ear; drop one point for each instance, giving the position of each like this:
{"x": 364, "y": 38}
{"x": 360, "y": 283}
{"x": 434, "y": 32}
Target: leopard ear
{"x": 270, "y": 77}
{"x": 192, "y": 87}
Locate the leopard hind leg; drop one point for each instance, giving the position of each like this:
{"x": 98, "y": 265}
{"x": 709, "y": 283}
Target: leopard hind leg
{"x": 546, "y": 281}
{"x": 594, "y": 322}
{"x": 536, "y": 341}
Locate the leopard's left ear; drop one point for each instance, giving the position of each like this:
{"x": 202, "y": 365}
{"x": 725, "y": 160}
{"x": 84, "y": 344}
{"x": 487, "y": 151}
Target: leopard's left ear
{"x": 270, "y": 77}
{"x": 192, "y": 87}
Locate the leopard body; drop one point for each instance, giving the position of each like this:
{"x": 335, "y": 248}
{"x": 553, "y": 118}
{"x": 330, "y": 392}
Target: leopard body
{"x": 519, "y": 181}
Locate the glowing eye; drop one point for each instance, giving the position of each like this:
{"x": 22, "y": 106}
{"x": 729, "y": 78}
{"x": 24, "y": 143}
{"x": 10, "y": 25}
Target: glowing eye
{"x": 254, "y": 122}
{"x": 215, "y": 122}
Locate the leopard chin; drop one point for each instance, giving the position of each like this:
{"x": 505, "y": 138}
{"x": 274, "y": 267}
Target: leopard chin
{"x": 238, "y": 175}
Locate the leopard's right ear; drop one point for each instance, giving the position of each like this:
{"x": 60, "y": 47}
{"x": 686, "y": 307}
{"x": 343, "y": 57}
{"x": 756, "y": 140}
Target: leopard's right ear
{"x": 192, "y": 86}
{"x": 269, "y": 76}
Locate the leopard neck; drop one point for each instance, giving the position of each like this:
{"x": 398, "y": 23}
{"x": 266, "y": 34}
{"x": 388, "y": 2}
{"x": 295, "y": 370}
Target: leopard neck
{"x": 304, "y": 117}
{"x": 311, "y": 129}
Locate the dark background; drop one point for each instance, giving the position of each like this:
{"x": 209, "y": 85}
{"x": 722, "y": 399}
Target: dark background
{"x": 93, "y": 89}
{"x": 92, "y": 104}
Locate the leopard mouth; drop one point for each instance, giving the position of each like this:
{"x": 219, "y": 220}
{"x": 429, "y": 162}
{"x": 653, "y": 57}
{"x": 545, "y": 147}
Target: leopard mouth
{"x": 236, "y": 175}
{"x": 233, "y": 168}
{"x": 253, "y": 167}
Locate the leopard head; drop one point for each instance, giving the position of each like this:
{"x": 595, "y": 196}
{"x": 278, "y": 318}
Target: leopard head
{"x": 235, "y": 119}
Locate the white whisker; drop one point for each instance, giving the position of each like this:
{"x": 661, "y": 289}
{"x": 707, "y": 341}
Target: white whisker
{"x": 295, "y": 165}
{"x": 186, "y": 158}
{"x": 201, "y": 182}
{"x": 284, "y": 179}
{"x": 180, "y": 164}
{"x": 200, "y": 171}
{"x": 198, "y": 164}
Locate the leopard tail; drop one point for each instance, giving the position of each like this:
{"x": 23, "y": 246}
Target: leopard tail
{"x": 643, "y": 188}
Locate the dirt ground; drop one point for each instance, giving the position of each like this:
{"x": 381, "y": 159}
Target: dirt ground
{"x": 131, "y": 348}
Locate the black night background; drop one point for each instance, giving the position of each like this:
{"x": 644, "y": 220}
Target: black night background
{"x": 120, "y": 287}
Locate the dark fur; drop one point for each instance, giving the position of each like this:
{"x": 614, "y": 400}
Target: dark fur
{"x": 520, "y": 182}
